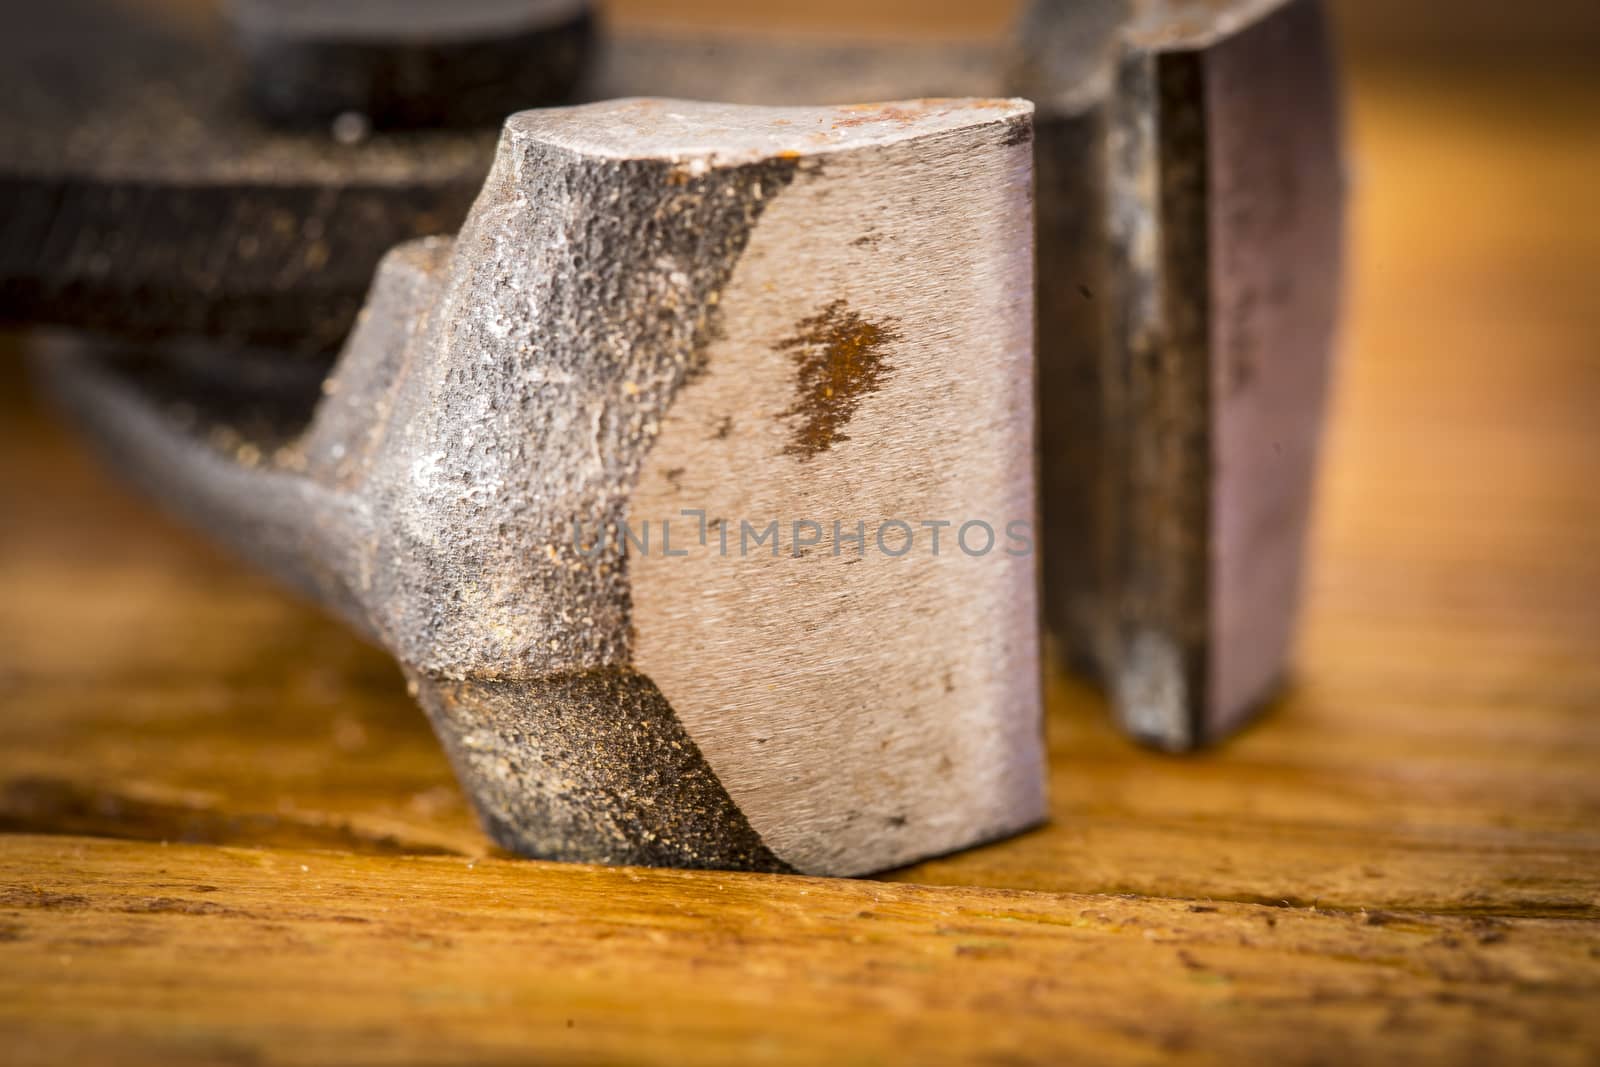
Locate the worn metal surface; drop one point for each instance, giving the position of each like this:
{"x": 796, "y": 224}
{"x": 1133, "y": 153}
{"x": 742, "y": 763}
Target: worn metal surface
{"x": 632, "y": 322}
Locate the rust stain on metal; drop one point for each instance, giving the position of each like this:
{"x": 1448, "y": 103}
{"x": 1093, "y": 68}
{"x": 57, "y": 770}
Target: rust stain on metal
{"x": 839, "y": 359}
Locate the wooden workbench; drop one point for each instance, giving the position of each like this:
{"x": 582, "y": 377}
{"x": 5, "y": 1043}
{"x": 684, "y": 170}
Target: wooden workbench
{"x": 230, "y": 836}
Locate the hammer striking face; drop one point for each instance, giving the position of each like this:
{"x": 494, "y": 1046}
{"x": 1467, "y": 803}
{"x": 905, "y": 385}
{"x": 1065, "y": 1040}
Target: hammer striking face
{"x": 691, "y": 485}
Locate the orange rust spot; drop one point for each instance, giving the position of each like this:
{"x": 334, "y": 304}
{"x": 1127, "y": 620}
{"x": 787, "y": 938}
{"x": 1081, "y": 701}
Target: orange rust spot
{"x": 881, "y": 113}
{"x": 839, "y": 359}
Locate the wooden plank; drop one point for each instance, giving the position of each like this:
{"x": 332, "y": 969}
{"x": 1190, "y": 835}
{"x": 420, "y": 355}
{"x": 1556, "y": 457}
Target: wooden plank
{"x": 192, "y": 954}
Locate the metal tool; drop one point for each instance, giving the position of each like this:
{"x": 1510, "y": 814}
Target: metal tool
{"x": 1190, "y": 221}
{"x": 635, "y": 479}
{"x": 1188, "y": 207}
{"x": 395, "y": 63}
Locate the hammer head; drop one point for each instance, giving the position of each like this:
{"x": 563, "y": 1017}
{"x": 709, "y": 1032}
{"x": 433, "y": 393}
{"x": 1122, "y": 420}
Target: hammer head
{"x": 691, "y": 485}
{"x": 752, "y": 388}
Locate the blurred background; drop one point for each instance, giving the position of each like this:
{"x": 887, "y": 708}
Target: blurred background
{"x": 1440, "y": 28}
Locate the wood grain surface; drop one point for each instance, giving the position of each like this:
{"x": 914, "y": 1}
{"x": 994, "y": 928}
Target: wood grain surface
{"x": 233, "y": 839}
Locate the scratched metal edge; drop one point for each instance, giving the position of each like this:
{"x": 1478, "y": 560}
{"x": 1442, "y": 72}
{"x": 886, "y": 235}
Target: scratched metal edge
{"x": 1156, "y": 394}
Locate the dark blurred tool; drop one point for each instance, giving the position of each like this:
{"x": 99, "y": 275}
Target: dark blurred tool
{"x": 390, "y": 63}
{"x": 1189, "y": 206}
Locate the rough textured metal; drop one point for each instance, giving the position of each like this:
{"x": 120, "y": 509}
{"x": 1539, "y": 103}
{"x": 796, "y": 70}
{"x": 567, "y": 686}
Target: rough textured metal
{"x": 632, "y": 322}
